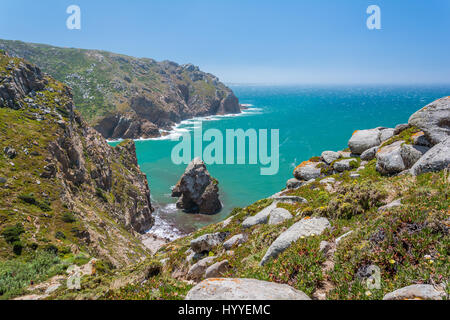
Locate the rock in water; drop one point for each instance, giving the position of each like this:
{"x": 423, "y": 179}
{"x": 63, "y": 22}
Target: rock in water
{"x": 434, "y": 120}
{"x": 303, "y": 228}
{"x": 197, "y": 190}
{"x": 243, "y": 289}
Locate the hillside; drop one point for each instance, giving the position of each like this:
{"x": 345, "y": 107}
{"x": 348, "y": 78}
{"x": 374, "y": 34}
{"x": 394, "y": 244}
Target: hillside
{"x": 126, "y": 97}
{"x": 380, "y": 206}
{"x": 367, "y": 222}
{"x": 66, "y": 196}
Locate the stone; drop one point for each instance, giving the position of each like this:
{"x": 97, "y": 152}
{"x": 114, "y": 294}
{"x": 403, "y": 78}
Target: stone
{"x": 369, "y": 154}
{"x": 217, "y": 269}
{"x": 279, "y": 215}
{"x": 303, "y": 228}
{"x": 227, "y": 222}
{"x": 436, "y": 159}
{"x": 344, "y": 165}
{"x": 10, "y": 152}
{"x": 197, "y": 271}
{"x": 327, "y": 181}
{"x": 293, "y": 183}
{"x": 208, "y": 241}
{"x": 197, "y": 190}
{"x": 400, "y": 128}
{"x": 288, "y": 199}
{"x": 345, "y": 235}
{"x": 412, "y": 153}
{"x": 243, "y": 289}
{"x": 363, "y": 140}
{"x": 325, "y": 246}
{"x": 259, "y": 218}
{"x": 386, "y": 134}
{"x": 416, "y": 291}
{"x": 237, "y": 239}
{"x": 389, "y": 159}
{"x": 434, "y": 120}
{"x": 355, "y": 175}
{"x": 330, "y": 156}
{"x": 307, "y": 171}
{"x": 393, "y": 204}
{"x": 420, "y": 139}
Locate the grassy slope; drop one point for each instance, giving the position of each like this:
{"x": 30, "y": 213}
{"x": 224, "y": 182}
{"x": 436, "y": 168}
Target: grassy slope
{"x": 398, "y": 241}
{"x": 37, "y": 228}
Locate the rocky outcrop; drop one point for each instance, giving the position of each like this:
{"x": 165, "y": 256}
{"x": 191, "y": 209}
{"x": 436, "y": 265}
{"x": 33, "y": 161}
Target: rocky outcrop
{"x": 307, "y": 170}
{"x": 208, "y": 241}
{"x": 434, "y": 120}
{"x": 127, "y": 97}
{"x": 197, "y": 271}
{"x": 435, "y": 159}
{"x": 389, "y": 159}
{"x": 102, "y": 187}
{"x": 243, "y": 289}
{"x": 363, "y": 140}
{"x": 417, "y": 292}
{"x": 303, "y": 228}
{"x": 218, "y": 269}
{"x": 198, "y": 192}
{"x": 235, "y": 240}
{"x": 345, "y": 165}
{"x": 330, "y": 156}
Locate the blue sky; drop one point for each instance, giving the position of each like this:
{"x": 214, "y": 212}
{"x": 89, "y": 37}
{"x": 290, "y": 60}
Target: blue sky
{"x": 255, "y": 41}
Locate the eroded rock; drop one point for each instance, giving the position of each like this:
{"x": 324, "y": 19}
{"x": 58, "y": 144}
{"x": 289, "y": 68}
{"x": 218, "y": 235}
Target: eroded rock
{"x": 243, "y": 289}
{"x": 303, "y": 228}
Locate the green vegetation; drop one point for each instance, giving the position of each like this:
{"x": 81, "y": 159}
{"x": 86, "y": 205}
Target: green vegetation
{"x": 16, "y": 275}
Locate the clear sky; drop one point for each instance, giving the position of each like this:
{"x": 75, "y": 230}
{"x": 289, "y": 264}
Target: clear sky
{"x": 255, "y": 41}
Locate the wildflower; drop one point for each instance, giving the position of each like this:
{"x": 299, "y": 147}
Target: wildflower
{"x": 431, "y": 261}
{"x": 392, "y": 261}
{"x": 427, "y": 257}
{"x": 368, "y": 293}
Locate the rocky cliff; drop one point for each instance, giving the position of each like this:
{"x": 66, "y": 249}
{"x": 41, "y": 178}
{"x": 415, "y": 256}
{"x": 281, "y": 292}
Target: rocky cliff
{"x": 369, "y": 222}
{"x": 126, "y": 97}
{"x": 62, "y": 187}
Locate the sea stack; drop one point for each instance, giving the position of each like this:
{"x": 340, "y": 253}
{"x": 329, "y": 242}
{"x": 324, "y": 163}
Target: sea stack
{"x": 198, "y": 192}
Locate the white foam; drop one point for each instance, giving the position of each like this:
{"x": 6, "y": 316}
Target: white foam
{"x": 162, "y": 228}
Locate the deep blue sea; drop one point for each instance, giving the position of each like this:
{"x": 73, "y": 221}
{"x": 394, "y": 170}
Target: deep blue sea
{"x": 310, "y": 120}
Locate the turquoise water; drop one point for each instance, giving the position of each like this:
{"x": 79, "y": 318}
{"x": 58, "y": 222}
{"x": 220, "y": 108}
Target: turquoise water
{"x": 310, "y": 120}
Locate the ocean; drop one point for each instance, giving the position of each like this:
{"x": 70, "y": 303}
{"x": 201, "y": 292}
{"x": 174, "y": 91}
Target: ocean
{"x": 310, "y": 119}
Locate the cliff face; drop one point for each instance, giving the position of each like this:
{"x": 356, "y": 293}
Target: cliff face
{"x": 60, "y": 180}
{"x": 126, "y": 97}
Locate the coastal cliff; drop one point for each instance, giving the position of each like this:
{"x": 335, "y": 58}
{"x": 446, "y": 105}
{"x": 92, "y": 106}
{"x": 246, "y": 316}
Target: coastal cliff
{"x": 126, "y": 97}
{"x": 369, "y": 222}
{"x": 68, "y": 200}
{"x": 63, "y": 190}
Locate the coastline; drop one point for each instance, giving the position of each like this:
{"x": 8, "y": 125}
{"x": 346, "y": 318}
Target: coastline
{"x": 176, "y": 131}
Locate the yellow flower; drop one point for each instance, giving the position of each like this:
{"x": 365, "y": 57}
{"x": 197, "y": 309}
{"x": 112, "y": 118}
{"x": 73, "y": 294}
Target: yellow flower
{"x": 392, "y": 261}
{"x": 368, "y": 293}
{"x": 431, "y": 261}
